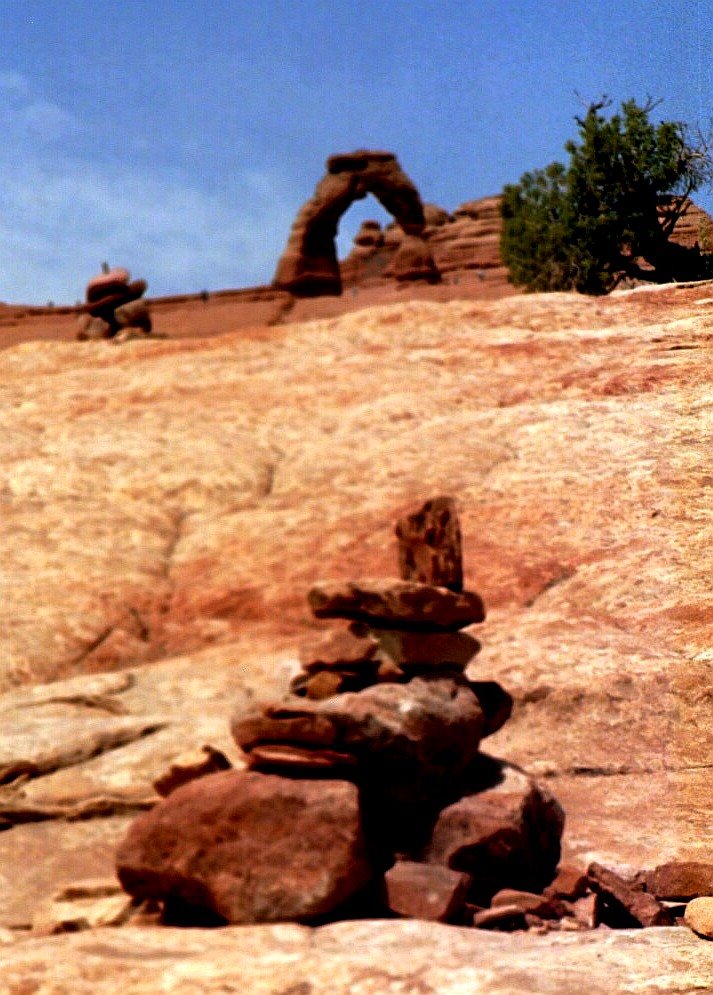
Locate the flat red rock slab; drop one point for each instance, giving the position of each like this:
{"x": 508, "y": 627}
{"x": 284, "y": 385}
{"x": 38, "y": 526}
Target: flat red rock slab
{"x": 396, "y": 604}
{"x": 294, "y": 758}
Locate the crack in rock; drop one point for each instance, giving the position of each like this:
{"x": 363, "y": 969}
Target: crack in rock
{"x": 92, "y": 744}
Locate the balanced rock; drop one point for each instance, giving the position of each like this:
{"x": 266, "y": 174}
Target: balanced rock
{"x": 340, "y": 648}
{"x": 506, "y": 836}
{"x": 430, "y": 545}
{"x": 249, "y": 848}
{"x": 396, "y": 604}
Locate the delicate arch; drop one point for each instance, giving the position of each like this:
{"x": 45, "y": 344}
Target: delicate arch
{"x": 309, "y": 264}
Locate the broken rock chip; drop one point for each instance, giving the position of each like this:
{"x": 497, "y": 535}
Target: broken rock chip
{"x": 293, "y": 759}
{"x": 295, "y": 722}
{"x": 249, "y": 847}
{"x": 506, "y": 836}
{"x": 425, "y": 891}
{"x": 396, "y": 604}
{"x": 625, "y": 905}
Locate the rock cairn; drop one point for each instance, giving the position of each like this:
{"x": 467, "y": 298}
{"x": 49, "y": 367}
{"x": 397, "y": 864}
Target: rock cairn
{"x": 114, "y": 307}
{"x": 365, "y": 791}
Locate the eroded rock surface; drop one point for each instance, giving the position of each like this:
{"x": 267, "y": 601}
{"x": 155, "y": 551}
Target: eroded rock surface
{"x": 183, "y": 494}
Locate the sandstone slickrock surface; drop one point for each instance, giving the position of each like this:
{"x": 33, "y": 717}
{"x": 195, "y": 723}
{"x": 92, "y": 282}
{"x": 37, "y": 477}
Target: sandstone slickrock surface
{"x": 406, "y": 956}
{"x": 178, "y": 495}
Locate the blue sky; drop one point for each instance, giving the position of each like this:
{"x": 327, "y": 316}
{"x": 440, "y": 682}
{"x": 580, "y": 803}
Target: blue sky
{"x": 180, "y": 138}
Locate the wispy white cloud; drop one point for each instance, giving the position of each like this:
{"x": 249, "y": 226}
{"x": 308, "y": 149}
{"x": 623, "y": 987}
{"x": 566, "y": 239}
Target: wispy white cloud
{"x": 62, "y": 213}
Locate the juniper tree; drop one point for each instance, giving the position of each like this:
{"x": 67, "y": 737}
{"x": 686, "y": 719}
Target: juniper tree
{"x": 586, "y": 225}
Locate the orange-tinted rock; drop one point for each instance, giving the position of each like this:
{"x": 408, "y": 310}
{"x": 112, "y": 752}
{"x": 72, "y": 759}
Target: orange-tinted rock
{"x": 413, "y": 260}
{"x": 282, "y": 724}
{"x": 569, "y": 882}
{"x": 309, "y": 264}
{"x": 425, "y": 891}
{"x": 134, "y": 314}
{"x": 107, "y": 283}
{"x": 249, "y": 848}
{"x": 396, "y": 604}
{"x": 430, "y": 545}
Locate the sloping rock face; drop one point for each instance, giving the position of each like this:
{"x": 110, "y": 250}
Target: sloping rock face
{"x": 164, "y": 509}
{"x": 309, "y": 265}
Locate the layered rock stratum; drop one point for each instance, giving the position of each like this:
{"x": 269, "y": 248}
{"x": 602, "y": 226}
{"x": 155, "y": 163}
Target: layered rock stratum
{"x": 165, "y": 506}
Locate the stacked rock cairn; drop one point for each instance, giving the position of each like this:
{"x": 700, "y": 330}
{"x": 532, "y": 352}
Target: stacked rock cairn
{"x": 365, "y": 792}
{"x": 114, "y": 307}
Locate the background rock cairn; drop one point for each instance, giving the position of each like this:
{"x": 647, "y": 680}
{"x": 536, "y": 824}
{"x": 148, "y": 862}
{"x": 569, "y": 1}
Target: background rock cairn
{"x": 114, "y": 307}
{"x": 365, "y": 792}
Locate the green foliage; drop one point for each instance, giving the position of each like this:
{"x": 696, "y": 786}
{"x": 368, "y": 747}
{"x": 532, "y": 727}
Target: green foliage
{"x": 586, "y": 225}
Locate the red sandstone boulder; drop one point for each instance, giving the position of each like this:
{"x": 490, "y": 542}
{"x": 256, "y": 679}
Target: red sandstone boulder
{"x": 396, "y": 604}
{"x": 413, "y": 260}
{"x": 249, "y": 848}
{"x": 340, "y": 648}
{"x": 506, "y": 836}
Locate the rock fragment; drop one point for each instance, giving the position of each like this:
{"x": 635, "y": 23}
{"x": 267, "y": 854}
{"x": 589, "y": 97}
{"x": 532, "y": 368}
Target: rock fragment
{"x": 625, "y": 905}
{"x": 425, "y": 891}
{"x": 699, "y": 916}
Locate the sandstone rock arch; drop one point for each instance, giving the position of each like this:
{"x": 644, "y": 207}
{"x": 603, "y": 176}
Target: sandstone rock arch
{"x": 309, "y": 264}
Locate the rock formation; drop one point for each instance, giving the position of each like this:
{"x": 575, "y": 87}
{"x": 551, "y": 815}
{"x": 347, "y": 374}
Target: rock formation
{"x": 309, "y": 265}
{"x": 114, "y": 307}
{"x": 360, "y": 770}
{"x": 366, "y": 792}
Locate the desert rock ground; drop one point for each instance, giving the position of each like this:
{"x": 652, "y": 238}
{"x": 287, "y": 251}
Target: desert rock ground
{"x": 165, "y": 506}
